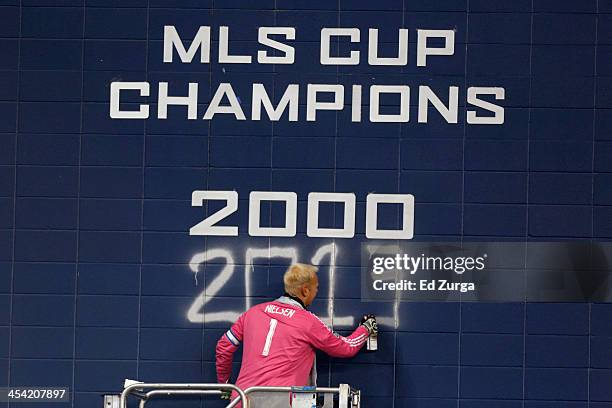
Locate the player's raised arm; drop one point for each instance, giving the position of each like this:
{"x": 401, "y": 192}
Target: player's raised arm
{"x": 323, "y": 338}
{"x": 226, "y": 347}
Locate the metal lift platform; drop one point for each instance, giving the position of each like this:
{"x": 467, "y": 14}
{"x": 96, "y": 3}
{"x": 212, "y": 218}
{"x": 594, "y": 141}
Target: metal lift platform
{"x": 343, "y": 396}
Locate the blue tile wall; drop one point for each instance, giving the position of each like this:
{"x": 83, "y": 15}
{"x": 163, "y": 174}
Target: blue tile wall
{"x": 106, "y": 343}
{"x": 496, "y": 155}
{"x": 7, "y": 113}
{"x": 50, "y": 86}
{"x": 492, "y": 350}
{"x": 599, "y": 390}
{"x": 108, "y": 279}
{"x": 103, "y": 150}
{"x": 550, "y": 28}
{"x": 10, "y": 22}
{"x": 119, "y": 247}
{"x": 557, "y": 351}
{"x": 543, "y": 404}
{"x": 4, "y": 339}
{"x": 550, "y": 188}
{"x": 47, "y": 149}
{"x": 33, "y": 371}
{"x": 46, "y": 213}
{"x": 5, "y": 300}
{"x": 561, "y": 124}
{"x": 97, "y": 269}
{"x": 178, "y": 151}
{"x": 102, "y": 311}
{"x": 5, "y": 277}
{"x": 102, "y": 55}
{"x": 117, "y": 215}
{"x": 43, "y": 310}
{"x": 160, "y": 344}
{"x": 52, "y": 22}
{"x": 495, "y": 188}
{"x": 111, "y": 182}
{"x": 427, "y": 348}
{"x": 10, "y": 47}
{"x": 115, "y": 23}
{"x": 6, "y": 238}
{"x": 491, "y": 382}
{"x": 6, "y": 208}
{"x": 474, "y": 403}
{"x": 417, "y": 381}
{"x": 600, "y": 352}
{"x": 39, "y": 54}
{"x": 568, "y": 319}
{"x": 38, "y": 342}
{"x": 602, "y": 325}
{"x": 49, "y": 117}
{"x": 7, "y": 141}
{"x": 431, "y": 154}
{"x": 44, "y": 278}
{"x": 499, "y": 28}
{"x": 43, "y": 181}
{"x": 549, "y": 6}
{"x": 571, "y": 61}
{"x": 183, "y": 371}
{"x": 99, "y": 375}
{"x": 45, "y": 245}
{"x": 484, "y": 220}
{"x": 551, "y": 92}
{"x": 556, "y": 384}
{"x": 567, "y": 221}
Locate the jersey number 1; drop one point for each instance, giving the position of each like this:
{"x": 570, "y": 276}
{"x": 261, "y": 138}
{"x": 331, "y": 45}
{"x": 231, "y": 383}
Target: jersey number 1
{"x": 266, "y": 350}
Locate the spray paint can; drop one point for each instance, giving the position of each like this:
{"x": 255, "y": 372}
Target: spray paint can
{"x": 372, "y": 342}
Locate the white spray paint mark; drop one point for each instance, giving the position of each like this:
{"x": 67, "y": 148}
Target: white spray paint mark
{"x": 394, "y": 320}
{"x": 331, "y": 319}
{"x": 266, "y": 253}
{"x": 196, "y": 312}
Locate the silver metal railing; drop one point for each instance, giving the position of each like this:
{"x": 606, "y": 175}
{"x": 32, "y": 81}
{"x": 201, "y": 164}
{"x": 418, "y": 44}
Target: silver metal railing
{"x": 156, "y": 389}
{"x": 348, "y": 397}
{"x": 249, "y": 398}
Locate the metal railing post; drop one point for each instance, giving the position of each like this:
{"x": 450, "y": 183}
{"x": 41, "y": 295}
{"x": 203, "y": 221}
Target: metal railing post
{"x": 185, "y": 389}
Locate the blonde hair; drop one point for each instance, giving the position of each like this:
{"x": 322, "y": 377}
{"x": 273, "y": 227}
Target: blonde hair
{"x": 298, "y": 275}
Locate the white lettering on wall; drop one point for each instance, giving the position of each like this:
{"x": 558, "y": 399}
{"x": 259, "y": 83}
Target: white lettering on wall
{"x": 207, "y": 226}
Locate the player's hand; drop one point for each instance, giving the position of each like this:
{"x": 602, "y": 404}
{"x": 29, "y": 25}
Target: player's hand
{"x": 369, "y": 322}
{"x": 226, "y": 395}
{"x": 366, "y": 317}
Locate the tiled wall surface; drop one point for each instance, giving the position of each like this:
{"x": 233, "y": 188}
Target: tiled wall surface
{"x": 95, "y": 284}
